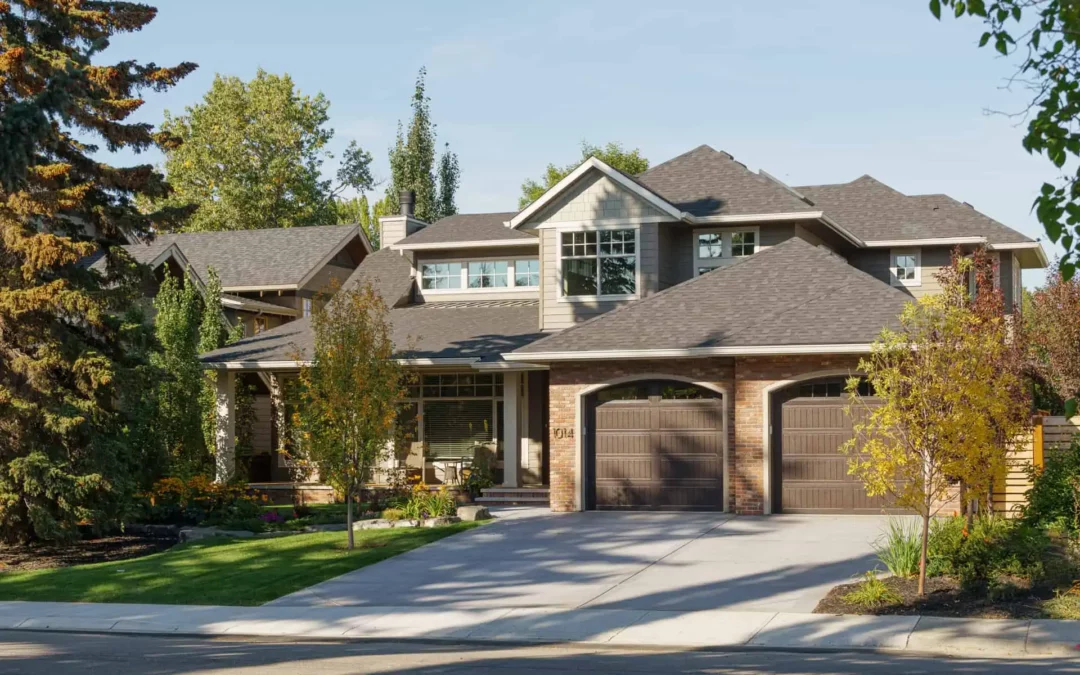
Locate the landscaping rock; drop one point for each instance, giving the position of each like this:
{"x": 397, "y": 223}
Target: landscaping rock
{"x": 438, "y": 522}
{"x": 406, "y": 523}
{"x": 473, "y": 512}
{"x": 197, "y": 533}
{"x": 332, "y": 527}
{"x": 374, "y": 524}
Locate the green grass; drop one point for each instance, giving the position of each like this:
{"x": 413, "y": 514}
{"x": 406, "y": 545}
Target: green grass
{"x": 220, "y": 572}
{"x": 873, "y": 592}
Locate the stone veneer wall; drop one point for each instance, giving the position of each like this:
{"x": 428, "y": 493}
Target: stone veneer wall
{"x": 744, "y": 380}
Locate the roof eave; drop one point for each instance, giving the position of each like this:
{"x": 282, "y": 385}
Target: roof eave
{"x": 491, "y": 243}
{"x": 691, "y": 352}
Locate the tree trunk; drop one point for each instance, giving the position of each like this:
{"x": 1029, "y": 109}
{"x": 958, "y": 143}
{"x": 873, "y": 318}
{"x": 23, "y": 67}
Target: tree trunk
{"x": 349, "y": 515}
{"x": 922, "y": 557}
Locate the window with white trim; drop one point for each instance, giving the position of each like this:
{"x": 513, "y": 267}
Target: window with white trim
{"x": 452, "y": 413}
{"x": 905, "y": 266}
{"x": 599, "y": 263}
{"x": 719, "y": 247}
{"x": 743, "y": 244}
{"x": 440, "y": 276}
{"x": 307, "y": 306}
{"x": 488, "y": 274}
{"x": 527, "y": 273}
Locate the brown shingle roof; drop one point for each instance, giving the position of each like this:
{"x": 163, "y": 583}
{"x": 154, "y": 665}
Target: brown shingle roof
{"x": 389, "y": 273}
{"x": 469, "y": 227}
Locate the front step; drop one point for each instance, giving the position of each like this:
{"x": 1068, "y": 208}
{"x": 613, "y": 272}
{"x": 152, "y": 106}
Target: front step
{"x": 504, "y": 496}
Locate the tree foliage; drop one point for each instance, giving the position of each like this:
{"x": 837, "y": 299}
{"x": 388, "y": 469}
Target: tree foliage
{"x": 212, "y": 334}
{"x": 178, "y": 308}
{"x": 1044, "y": 35}
{"x": 1053, "y": 325}
{"x": 413, "y": 164}
{"x": 950, "y": 398}
{"x": 73, "y": 355}
{"x": 628, "y": 161}
{"x": 358, "y": 211}
{"x": 253, "y": 154}
{"x": 349, "y": 394}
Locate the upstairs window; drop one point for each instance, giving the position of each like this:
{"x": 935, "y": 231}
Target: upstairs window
{"x": 710, "y": 245}
{"x": 307, "y": 307}
{"x": 488, "y": 274}
{"x": 527, "y": 273}
{"x": 905, "y": 267}
{"x": 440, "y": 276}
{"x": 716, "y": 248}
{"x": 599, "y": 263}
{"x": 743, "y": 244}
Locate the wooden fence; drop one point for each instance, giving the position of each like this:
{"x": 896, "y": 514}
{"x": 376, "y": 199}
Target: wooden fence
{"x": 1049, "y": 433}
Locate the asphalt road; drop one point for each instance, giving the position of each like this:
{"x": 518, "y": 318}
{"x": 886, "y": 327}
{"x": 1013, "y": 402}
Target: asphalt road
{"x": 61, "y": 653}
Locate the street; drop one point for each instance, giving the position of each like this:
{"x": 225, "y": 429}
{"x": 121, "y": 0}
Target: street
{"x": 60, "y": 653}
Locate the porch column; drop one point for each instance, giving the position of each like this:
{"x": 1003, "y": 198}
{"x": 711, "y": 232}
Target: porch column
{"x": 511, "y": 438}
{"x": 225, "y": 428}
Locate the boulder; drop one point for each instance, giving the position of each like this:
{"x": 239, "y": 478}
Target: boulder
{"x": 437, "y": 522}
{"x": 473, "y": 512}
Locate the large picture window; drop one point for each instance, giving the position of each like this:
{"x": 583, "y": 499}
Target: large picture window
{"x": 456, "y": 412}
{"x": 599, "y": 263}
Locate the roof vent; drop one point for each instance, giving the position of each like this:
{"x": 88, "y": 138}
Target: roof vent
{"x": 407, "y": 200}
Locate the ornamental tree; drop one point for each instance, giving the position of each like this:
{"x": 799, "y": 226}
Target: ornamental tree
{"x": 72, "y": 354}
{"x": 943, "y": 409}
{"x": 1053, "y": 325}
{"x": 348, "y": 395}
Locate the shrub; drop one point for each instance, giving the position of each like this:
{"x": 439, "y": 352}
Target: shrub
{"x": 872, "y": 592}
{"x": 179, "y": 502}
{"x": 423, "y": 503}
{"x": 393, "y": 514}
{"x": 899, "y": 547}
{"x": 1053, "y": 502}
{"x": 994, "y": 547}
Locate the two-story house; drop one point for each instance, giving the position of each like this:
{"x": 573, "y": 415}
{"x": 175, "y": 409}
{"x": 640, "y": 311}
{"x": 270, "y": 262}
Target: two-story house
{"x": 673, "y": 340}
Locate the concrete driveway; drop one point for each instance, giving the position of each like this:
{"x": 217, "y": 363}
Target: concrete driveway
{"x": 618, "y": 560}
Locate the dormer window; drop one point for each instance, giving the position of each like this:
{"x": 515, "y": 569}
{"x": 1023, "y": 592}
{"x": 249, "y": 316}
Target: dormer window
{"x": 441, "y": 276}
{"x": 716, "y": 248}
{"x": 743, "y": 244}
{"x": 478, "y": 276}
{"x": 905, "y": 267}
{"x": 488, "y": 274}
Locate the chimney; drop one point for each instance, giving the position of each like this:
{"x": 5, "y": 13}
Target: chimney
{"x": 393, "y": 229}
{"x": 407, "y": 200}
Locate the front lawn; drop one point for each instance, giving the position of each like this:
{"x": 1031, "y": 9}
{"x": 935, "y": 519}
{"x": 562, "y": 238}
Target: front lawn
{"x": 220, "y": 572}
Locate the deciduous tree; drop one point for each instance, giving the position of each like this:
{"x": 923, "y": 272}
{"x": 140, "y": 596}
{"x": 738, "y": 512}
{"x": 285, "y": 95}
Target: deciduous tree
{"x": 628, "y": 161}
{"x": 71, "y": 351}
{"x": 1053, "y": 324}
{"x": 349, "y": 394}
{"x": 947, "y": 406}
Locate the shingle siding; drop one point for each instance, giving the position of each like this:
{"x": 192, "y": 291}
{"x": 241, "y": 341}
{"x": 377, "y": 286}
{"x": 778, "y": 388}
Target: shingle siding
{"x": 594, "y": 197}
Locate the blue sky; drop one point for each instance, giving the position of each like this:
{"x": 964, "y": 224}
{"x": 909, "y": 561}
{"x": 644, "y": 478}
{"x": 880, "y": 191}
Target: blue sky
{"x": 812, "y": 92}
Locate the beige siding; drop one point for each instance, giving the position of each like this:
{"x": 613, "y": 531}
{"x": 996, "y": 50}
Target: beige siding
{"x": 321, "y": 282}
{"x": 594, "y": 197}
{"x": 260, "y": 429}
{"x": 877, "y": 261}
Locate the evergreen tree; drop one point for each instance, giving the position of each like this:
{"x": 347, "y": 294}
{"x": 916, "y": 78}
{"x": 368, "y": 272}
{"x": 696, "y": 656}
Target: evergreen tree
{"x": 412, "y": 164}
{"x": 71, "y": 352}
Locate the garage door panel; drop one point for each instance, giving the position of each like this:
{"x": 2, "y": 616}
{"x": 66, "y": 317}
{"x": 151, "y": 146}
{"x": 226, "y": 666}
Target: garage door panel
{"x": 812, "y": 442}
{"x": 816, "y": 468}
{"x": 622, "y": 443}
{"x": 689, "y": 443}
{"x": 699, "y": 466}
{"x": 689, "y": 418}
{"x": 622, "y": 468}
{"x": 623, "y": 418}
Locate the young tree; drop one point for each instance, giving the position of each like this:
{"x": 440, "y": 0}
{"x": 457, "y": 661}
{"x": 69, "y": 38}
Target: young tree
{"x": 1053, "y": 324}
{"x": 176, "y": 325}
{"x": 412, "y": 164}
{"x": 628, "y": 161}
{"x": 944, "y": 408}
{"x": 252, "y": 157}
{"x": 212, "y": 334}
{"x": 68, "y": 345}
{"x": 350, "y": 392}
{"x": 1046, "y": 36}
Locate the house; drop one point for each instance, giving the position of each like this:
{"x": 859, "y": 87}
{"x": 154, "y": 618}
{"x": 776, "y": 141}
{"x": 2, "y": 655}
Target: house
{"x": 269, "y": 277}
{"x": 673, "y": 340}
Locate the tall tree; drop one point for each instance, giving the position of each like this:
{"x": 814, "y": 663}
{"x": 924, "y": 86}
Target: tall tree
{"x": 1044, "y": 37}
{"x": 253, "y": 154}
{"x": 413, "y": 164}
{"x": 68, "y": 347}
{"x": 351, "y": 390}
{"x": 212, "y": 334}
{"x": 357, "y": 211}
{"x": 176, "y": 323}
{"x": 1053, "y": 324}
{"x": 942, "y": 412}
{"x": 628, "y": 161}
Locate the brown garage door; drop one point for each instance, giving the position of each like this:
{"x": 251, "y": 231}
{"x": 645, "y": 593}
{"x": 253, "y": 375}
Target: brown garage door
{"x": 814, "y": 473}
{"x": 657, "y": 453}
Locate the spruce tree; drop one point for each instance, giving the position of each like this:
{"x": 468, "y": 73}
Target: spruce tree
{"x": 69, "y": 347}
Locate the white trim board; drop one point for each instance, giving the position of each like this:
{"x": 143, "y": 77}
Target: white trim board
{"x": 692, "y": 352}
{"x": 492, "y": 243}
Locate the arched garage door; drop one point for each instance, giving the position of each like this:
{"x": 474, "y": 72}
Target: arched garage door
{"x": 655, "y": 445}
{"x": 809, "y": 472}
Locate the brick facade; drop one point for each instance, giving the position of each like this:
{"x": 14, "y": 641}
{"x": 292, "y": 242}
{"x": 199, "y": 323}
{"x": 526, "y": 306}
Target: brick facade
{"x": 743, "y": 380}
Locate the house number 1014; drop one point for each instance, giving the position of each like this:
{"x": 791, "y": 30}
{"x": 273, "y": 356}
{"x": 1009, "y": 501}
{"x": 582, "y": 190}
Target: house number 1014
{"x": 563, "y": 432}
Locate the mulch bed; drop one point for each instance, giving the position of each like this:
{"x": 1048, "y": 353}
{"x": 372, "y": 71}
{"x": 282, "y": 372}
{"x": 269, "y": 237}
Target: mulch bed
{"x": 944, "y": 598}
{"x": 82, "y": 552}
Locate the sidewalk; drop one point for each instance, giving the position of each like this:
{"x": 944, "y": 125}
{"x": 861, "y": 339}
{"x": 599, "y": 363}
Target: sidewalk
{"x": 596, "y": 627}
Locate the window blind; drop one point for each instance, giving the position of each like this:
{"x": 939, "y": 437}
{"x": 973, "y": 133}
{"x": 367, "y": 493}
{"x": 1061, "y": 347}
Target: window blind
{"x": 453, "y": 428}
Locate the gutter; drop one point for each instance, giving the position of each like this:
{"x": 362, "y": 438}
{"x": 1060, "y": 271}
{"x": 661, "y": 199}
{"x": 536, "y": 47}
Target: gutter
{"x": 691, "y": 352}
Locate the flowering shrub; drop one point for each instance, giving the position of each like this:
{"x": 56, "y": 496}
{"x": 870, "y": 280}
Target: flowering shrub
{"x": 179, "y": 502}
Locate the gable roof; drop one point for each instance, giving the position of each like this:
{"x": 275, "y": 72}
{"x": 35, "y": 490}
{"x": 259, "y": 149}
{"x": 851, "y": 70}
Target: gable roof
{"x": 472, "y": 331}
{"x": 790, "y": 298}
{"x": 270, "y": 258}
{"x": 468, "y": 229}
{"x": 389, "y": 273}
{"x": 707, "y": 182}
{"x": 875, "y": 212}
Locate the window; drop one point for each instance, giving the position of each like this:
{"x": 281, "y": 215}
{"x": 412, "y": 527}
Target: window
{"x": 599, "y": 263}
{"x": 905, "y": 267}
{"x": 453, "y": 412}
{"x": 307, "y": 306}
{"x": 454, "y": 428}
{"x": 441, "y": 276}
{"x": 710, "y": 245}
{"x": 527, "y": 273}
{"x": 488, "y": 274}
{"x": 462, "y": 385}
{"x": 259, "y": 324}
{"x": 742, "y": 244}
